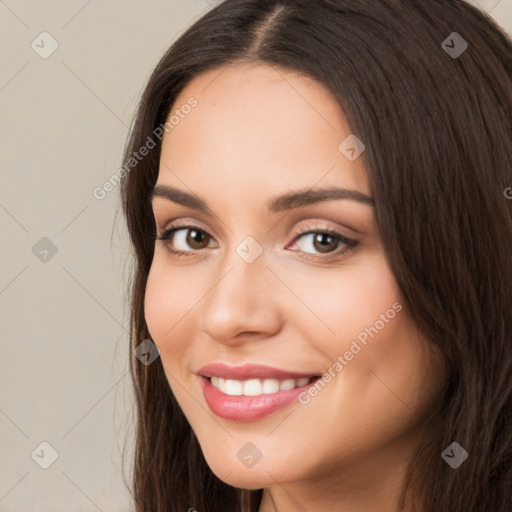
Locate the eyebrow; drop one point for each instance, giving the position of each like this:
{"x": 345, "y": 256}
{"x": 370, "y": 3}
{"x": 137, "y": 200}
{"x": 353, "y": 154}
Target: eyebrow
{"x": 276, "y": 204}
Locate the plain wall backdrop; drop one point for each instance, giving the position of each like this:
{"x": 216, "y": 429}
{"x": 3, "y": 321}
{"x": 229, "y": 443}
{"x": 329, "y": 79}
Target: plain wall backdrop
{"x": 71, "y": 72}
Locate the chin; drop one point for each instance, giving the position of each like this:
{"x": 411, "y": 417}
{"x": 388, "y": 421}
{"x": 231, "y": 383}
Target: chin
{"x": 250, "y": 481}
{"x": 257, "y": 477}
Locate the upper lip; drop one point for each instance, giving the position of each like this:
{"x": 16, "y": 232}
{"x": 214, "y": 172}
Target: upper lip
{"x": 249, "y": 371}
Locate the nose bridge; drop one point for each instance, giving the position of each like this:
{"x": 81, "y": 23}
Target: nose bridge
{"x": 241, "y": 299}
{"x": 244, "y": 269}
{"x": 241, "y": 274}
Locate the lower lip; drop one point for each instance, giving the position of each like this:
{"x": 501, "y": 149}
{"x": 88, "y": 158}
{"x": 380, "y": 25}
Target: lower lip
{"x": 247, "y": 408}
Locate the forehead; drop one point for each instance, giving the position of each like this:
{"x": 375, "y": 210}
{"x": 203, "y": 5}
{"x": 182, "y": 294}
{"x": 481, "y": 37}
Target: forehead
{"x": 258, "y": 125}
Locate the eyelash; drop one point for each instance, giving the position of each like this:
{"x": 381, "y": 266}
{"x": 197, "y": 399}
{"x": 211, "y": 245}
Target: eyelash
{"x": 350, "y": 243}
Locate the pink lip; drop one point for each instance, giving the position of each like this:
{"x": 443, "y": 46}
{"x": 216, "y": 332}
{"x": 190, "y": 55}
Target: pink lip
{"x": 249, "y": 371}
{"x": 246, "y": 408}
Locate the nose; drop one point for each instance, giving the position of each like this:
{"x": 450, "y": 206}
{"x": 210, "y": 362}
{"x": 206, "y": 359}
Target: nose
{"x": 243, "y": 302}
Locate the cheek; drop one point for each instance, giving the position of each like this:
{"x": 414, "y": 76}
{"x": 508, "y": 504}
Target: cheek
{"x": 155, "y": 305}
{"x": 166, "y": 301}
{"x": 349, "y": 304}
{"x": 172, "y": 302}
{"x": 386, "y": 376}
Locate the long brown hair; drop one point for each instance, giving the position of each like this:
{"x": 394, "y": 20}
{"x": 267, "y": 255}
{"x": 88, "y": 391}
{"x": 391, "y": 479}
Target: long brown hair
{"x": 438, "y": 134}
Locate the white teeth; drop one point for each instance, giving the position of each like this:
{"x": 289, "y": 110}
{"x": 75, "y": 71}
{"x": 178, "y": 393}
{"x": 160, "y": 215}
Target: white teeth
{"x": 256, "y": 387}
{"x": 287, "y": 385}
{"x": 233, "y": 387}
{"x": 270, "y": 386}
{"x": 252, "y": 387}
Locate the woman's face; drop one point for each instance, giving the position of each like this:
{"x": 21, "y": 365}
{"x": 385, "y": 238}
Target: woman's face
{"x": 256, "y": 286}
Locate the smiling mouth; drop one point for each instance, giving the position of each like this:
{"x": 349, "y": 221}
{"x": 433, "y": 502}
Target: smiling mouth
{"x": 257, "y": 387}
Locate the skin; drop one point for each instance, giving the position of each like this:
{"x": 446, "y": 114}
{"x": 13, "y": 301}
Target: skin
{"x": 259, "y": 131}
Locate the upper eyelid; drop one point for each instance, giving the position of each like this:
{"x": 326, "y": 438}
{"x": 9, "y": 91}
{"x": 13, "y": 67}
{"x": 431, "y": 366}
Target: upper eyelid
{"x": 179, "y": 224}
{"x": 194, "y": 224}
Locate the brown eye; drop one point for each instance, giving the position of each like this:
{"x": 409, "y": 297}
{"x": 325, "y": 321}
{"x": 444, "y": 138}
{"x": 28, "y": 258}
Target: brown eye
{"x": 185, "y": 239}
{"x": 196, "y": 239}
{"x": 324, "y": 243}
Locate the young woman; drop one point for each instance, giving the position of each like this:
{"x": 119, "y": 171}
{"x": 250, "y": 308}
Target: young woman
{"x": 316, "y": 194}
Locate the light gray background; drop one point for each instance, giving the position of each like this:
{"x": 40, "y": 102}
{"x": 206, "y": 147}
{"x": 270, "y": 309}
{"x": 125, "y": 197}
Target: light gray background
{"x": 63, "y": 323}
